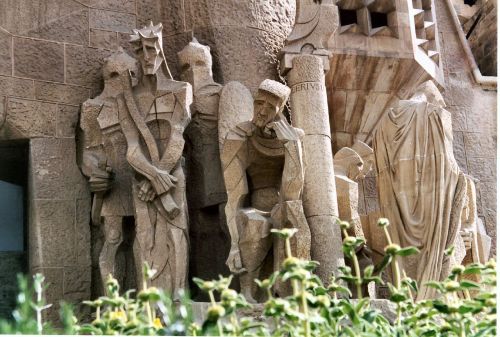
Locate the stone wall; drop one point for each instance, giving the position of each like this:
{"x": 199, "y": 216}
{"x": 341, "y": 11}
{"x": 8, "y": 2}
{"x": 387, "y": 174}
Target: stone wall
{"x": 51, "y": 53}
{"x": 474, "y": 120}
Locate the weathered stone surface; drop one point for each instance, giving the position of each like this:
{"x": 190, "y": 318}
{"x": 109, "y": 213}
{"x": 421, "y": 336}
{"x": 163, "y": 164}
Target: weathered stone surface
{"x": 54, "y": 226}
{"x": 72, "y": 28}
{"x": 127, "y": 6}
{"x": 24, "y": 17}
{"x": 479, "y": 145}
{"x": 61, "y": 93}
{"x": 5, "y": 53}
{"x": 66, "y": 120}
{"x": 17, "y": 87}
{"x": 113, "y": 21}
{"x": 55, "y": 174}
{"x": 103, "y": 39}
{"x": 83, "y": 65}
{"x": 27, "y": 119}
{"x": 39, "y": 60}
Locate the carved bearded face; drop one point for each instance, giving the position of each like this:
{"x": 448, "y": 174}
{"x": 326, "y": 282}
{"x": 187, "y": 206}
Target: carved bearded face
{"x": 149, "y": 54}
{"x": 265, "y": 108}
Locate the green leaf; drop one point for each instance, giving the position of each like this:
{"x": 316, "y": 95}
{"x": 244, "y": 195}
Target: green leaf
{"x": 407, "y": 251}
{"x": 466, "y": 284}
{"x": 382, "y": 264}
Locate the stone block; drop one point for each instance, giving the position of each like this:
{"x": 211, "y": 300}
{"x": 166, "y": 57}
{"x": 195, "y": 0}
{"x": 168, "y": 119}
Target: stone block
{"x": 72, "y": 28}
{"x": 173, "y": 16}
{"x": 41, "y": 60}
{"x": 17, "y": 87}
{"x": 458, "y": 117}
{"x": 127, "y": 6}
{"x": 66, "y": 120}
{"x": 370, "y": 187}
{"x": 84, "y": 65}
{"x": 103, "y": 39}
{"x": 372, "y": 205}
{"x": 479, "y": 145}
{"x": 28, "y": 119}
{"x": 482, "y": 168}
{"x": 5, "y": 53}
{"x": 113, "y": 21}
{"x": 54, "y": 225}
{"x": 61, "y": 93}
{"x": 459, "y": 151}
{"x": 55, "y": 174}
{"x": 83, "y": 238}
{"x": 148, "y": 10}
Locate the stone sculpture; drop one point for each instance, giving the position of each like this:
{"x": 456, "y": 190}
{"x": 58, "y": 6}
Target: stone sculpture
{"x": 263, "y": 174}
{"x": 352, "y": 165}
{"x": 142, "y": 136}
{"x": 206, "y": 194}
{"x": 421, "y": 187}
{"x": 477, "y": 242}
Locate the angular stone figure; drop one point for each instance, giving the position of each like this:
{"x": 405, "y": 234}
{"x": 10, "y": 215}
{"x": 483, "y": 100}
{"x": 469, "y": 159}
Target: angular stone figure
{"x": 104, "y": 149}
{"x": 150, "y": 118}
{"x": 352, "y": 165}
{"x": 263, "y": 174}
{"x": 421, "y": 188}
{"x": 477, "y": 242}
{"x": 205, "y": 184}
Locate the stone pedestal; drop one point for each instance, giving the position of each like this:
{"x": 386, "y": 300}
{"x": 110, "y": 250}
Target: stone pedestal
{"x": 310, "y": 113}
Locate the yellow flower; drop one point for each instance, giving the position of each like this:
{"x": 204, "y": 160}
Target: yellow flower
{"x": 157, "y": 323}
{"x": 118, "y": 315}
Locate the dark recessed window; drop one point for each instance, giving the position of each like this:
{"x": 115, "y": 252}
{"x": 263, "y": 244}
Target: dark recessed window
{"x": 348, "y": 17}
{"x": 470, "y": 2}
{"x": 378, "y": 19}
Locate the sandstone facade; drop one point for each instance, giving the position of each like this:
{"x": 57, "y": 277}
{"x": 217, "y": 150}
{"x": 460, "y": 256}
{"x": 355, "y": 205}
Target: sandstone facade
{"x": 51, "y": 59}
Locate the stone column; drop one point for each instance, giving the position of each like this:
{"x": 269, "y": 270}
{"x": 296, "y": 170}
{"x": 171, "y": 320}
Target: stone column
{"x": 310, "y": 113}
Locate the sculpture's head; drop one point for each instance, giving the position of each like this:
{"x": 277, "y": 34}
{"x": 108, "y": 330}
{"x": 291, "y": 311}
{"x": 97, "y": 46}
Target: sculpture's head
{"x": 149, "y": 47}
{"x": 431, "y": 93}
{"x": 118, "y": 64}
{"x": 196, "y": 62}
{"x": 270, "y": 100}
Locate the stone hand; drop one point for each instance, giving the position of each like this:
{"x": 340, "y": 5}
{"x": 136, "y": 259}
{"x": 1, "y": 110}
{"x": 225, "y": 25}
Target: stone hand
{"x": 467, "y": 238}
{"x": 234, "y": 261}
{"x": 146, "y": 191}
{"x": 101, "y": 180}
{"x": 162, "y": 181}
{"x": 285, "y": 132}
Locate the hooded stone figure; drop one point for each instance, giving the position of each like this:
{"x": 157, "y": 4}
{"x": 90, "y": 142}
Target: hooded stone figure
{"x": 421, "y": 188}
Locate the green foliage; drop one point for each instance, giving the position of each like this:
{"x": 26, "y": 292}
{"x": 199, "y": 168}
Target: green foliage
{"x": 463, "y": 308}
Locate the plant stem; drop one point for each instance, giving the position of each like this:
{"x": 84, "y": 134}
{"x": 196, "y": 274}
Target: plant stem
{"x": 305, "y": 310}
{"x": 288, "y": 248}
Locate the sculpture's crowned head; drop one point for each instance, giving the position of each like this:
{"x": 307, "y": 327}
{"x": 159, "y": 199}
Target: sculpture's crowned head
{"x": 148, "y": 44}
{"x": 118, "y": 64}
{"x": 196, "y": 62}
{"x": 270, "y": 100}
{"x": 431, "y": 93}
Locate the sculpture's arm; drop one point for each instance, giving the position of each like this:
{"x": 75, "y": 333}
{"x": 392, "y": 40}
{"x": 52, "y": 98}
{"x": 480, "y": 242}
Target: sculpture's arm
{"x": 93, "y": 160}
{"x": 292, "y": 180}
{"x": 161, "y": 180}
{"x": 234, "y": 172}
{"x": 178, "y": 124}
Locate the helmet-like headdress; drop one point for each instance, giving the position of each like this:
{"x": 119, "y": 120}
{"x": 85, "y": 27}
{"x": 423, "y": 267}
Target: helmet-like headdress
{"x": 150, "y": 33}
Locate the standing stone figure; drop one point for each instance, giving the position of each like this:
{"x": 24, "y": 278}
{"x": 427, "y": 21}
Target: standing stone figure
{"x": 263, "y": 174}
{"x": 352, "y": 165}
{"x": 421, "y": 188}
{"x": 149, "y": 119}
{"x": 206, "y": 194}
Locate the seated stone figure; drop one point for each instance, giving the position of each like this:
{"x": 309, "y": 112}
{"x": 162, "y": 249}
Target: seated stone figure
{"x": 421, "y": 188}
{"x": 263, "y": 174}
